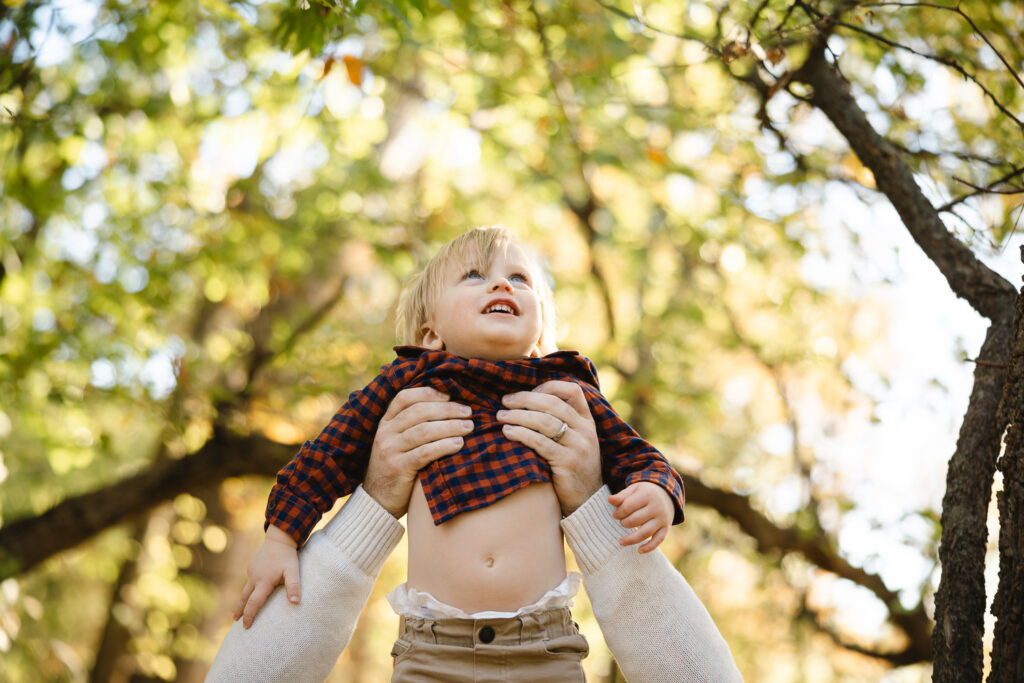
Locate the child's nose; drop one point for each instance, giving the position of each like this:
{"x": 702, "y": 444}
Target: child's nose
{"x": 501, "y": 283}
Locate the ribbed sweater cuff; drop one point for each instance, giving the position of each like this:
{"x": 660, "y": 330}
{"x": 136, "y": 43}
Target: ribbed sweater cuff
{"x": 365, "y": 532}
{"x": 592, "y": 532}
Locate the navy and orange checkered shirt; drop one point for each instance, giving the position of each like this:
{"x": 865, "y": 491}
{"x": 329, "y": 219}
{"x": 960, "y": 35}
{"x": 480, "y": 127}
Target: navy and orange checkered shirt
{"x": 489, "y": 466}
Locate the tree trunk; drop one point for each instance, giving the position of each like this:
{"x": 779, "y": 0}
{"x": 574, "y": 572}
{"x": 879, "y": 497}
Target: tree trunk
{"x": 1008, "y": 606}
{"x": 113, "y": 664}
{"x": 224, "y": 571}
{"x": 960, "y": 600}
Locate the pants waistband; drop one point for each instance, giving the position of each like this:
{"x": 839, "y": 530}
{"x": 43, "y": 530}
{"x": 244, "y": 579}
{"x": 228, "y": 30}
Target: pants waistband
{"x": 525, "y": 628}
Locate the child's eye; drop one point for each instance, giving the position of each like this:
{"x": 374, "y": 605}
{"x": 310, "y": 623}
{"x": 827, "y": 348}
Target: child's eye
{"x": 473, "y": 274}
{"x": 519, "y": 277}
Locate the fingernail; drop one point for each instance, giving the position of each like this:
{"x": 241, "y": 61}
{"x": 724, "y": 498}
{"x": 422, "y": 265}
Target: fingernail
{"x": 294, "y": 599}
{"x": 467, "y": 424}
{"x": 501, "y": 414}
{"x": 465, "y": 410}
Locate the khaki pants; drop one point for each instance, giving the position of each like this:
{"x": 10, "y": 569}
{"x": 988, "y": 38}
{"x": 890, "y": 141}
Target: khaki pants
{"x": 542, "y": 646}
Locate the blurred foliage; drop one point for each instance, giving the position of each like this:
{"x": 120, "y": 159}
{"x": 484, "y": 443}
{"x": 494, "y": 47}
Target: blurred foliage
{"x": 207, "y": 209}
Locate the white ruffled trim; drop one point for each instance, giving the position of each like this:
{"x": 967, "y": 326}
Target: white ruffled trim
{"x": 409, "y": 602}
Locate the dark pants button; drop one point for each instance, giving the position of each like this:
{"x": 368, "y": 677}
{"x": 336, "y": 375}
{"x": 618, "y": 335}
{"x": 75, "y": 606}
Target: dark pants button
{"x": 486, "y": 634}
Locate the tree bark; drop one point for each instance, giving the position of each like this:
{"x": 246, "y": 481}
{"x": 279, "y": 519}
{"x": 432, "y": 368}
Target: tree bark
{"x": 1008, "y": 606}
{"x": 960, "y": 600}
{"x": 112, "y": 663}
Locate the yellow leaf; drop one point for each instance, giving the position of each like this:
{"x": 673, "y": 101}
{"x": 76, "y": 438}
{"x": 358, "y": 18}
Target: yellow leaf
{"x": 656, "y": 155}
{"x": 354, "y": 66}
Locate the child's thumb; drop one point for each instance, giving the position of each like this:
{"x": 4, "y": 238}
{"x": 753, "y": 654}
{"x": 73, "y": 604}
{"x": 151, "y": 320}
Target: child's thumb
{"x": 291, "y": 584}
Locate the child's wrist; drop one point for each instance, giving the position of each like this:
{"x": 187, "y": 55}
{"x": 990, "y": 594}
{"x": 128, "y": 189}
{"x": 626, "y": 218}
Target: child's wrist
{"x": 278, "y": 535}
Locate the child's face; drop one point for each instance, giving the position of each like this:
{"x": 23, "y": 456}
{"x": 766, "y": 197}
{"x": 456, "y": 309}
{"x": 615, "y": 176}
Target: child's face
{"x": 493, "y": 314}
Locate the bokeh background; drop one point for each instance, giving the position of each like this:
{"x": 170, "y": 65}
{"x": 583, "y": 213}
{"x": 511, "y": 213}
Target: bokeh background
{"x": 208, "y": 209}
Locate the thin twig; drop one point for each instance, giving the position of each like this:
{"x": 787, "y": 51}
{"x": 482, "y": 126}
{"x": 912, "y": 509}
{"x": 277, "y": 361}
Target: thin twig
{"x": 982, "y": 190}
{"x": 643, "y": 22}
{"x": 955, "y": 9}
{"x": 952, "y": 64}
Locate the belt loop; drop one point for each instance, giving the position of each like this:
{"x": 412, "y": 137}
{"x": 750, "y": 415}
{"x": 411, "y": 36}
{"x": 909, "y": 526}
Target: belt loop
{"x": 531, "y": 627}
{"x": 433, "y": 634}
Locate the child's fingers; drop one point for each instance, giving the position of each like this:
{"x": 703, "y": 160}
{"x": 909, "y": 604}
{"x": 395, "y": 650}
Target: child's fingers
{"x": 640, "y": 517}
{"x": 640, "y": 533}
{"x": 256, "y": 600}
{"x": 655, "y": 541}
{"x": 633, "y": 502}
{"x": 246, "y": 592}
{"x": 291, "y": 583}
{"x": 617, "y": 499}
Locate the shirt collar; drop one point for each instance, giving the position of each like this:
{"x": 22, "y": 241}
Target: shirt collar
{"x": 570, "y": 362}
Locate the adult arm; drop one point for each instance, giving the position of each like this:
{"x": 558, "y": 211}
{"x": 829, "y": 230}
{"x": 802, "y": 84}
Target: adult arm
{"x": 338, "y": 565}
{"x": 653, "y": 623}
{"x": 337, "y": 568}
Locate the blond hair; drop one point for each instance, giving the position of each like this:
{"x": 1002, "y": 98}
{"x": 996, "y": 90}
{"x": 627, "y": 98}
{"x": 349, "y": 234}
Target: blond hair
{"x": 473, "y": 249}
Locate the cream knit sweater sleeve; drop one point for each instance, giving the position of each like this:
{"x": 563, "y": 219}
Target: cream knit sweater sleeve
{"x": 654, "y": 624}
{"x": 337, "y": 567}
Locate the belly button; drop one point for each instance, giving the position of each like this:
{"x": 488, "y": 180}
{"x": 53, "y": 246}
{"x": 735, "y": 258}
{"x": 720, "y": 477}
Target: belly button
{"x": 490, "y": 561}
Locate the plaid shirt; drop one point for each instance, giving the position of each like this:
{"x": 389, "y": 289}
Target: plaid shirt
{"x": 489, "y": 466}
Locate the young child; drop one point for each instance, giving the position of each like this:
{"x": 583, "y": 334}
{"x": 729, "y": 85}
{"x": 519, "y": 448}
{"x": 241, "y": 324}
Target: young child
{"x": 487, "y": 586}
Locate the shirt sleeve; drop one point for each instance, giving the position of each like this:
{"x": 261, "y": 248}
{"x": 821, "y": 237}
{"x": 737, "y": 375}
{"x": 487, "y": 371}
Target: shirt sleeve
{"x": 334, "y": 463}
{"x": 626, "y": 458}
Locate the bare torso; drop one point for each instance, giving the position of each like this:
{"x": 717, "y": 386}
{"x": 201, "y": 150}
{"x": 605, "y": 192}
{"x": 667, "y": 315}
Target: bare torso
{"x": 500, "y": 557}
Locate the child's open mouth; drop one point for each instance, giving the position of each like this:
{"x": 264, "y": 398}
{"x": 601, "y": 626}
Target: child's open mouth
{"x": 506, "y": 307}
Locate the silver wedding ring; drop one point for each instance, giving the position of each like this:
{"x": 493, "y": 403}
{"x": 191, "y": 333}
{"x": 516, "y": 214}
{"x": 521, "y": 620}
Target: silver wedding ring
{"x": 561, "y": 432}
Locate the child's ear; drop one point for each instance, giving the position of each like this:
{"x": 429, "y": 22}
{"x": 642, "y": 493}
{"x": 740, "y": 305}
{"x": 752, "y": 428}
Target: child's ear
{"x": 430, "y": 339}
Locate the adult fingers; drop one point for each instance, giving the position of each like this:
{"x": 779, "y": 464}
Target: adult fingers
{"x": 259, "y": 596}
{"x": 570, "y": 392}
{"x": 640, "y": 533}
{"x": 422, "y": 456}
{"x": 655, "y": 541}
{"x": 428, "y": 432}
{"x": 423, "y": 412}
{"x": 544, "y": 424}
{"x": 540, "y": 402}
{"x": 532, "y": 439}
{"x": 246, "y": 592}
{"x": 407, "y": 397}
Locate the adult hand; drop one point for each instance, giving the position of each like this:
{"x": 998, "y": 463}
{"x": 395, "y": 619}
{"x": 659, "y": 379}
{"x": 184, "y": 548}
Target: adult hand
{"x": 535, "y": 419}
{"x": 419, "y": 426}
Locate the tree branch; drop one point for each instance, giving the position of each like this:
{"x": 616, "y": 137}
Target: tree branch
{"x": 952, "y": 64}
{"x": 772, "y": 538}
{"x": 969, "y": 278}
{"x": 27, "y": 542}
{"x": 955, "y": 9}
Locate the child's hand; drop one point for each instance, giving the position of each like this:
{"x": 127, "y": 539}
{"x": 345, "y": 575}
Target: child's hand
{"x": 276, "y": 560}
{"x": 647, "y": 509}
